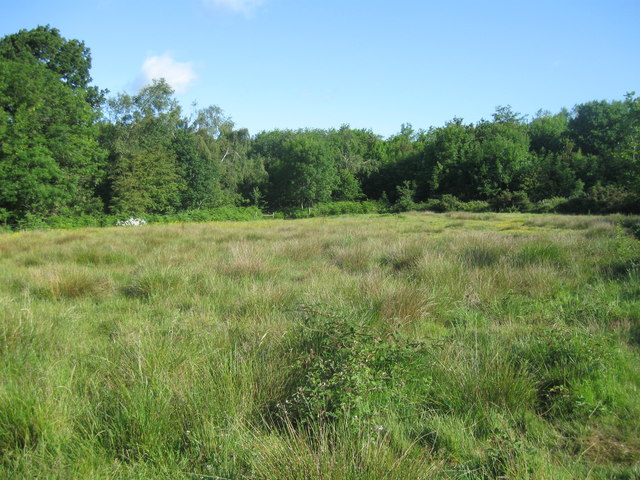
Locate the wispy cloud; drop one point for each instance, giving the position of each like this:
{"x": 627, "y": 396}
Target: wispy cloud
{"x": 180, "y": 75}
{"x": 246, "y": 7}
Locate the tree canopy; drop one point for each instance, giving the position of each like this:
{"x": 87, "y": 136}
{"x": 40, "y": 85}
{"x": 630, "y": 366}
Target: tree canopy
{"x": 65, "y": 149}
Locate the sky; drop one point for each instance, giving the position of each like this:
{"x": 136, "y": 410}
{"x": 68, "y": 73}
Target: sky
{"x": 375, "y": 64}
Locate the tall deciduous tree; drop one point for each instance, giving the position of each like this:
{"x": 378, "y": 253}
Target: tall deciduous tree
{"x": 50, "y": 162}
{"x": 358, "y": 154}
{"x": 446, "y": 161}
{"x": 548, "y": 132}
{"x": 69, "y": 60}
{"x": 304, "y": 173}
{"x": 144, "y": 172}
{"x": 503, "y": 154}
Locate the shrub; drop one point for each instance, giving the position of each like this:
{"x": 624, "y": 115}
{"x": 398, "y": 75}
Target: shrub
{"x": 632, "y": 225}
{"x": 450, "y": 203}
{"x": 446, "y": 203}
{"x": 346, "y": 370}
{"x": 614, "y": 199}
{"x": 476, "y": 206}
{"x": 406, "y": 193}
{"x": 226, "y": 213}
{"x": 334, "y": 208}
{"x": 549, "y": 205}
{"x": 603, "y": 199}
{"x": 507, "y": 201}
{"x": 219, "y": 214}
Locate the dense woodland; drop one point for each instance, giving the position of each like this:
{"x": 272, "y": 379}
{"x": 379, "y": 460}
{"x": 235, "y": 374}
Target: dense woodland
{"x": 68, "y": 148}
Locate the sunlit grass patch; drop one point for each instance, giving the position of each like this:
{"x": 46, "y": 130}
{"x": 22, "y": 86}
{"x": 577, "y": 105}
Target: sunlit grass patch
{"x": 539, "y": 252}
{"x": 56, "y": 282}
{"x": 151, "y": 282}
{"x": 337, "y": 452}
{"x": 396, "y": 303}
{"x": 403, "y": 257}
{"x": 103, "y": 257}
{"x": 468, "y": 352}
{"x": 246, "y": 259}
{"x": 353, "y": 258}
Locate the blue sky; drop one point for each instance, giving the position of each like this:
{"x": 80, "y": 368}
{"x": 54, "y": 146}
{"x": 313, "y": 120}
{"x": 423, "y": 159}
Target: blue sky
{"x": 371, "y": 64}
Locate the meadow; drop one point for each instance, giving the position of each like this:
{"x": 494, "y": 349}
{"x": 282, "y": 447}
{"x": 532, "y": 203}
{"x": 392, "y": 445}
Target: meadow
{"x": 409, "y": 346}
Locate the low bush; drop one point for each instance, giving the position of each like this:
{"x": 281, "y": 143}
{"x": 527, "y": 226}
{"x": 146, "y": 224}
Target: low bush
{"x": 334, "y": 208}
{"x": 346, "y": 369}
{"x": 450, "y": 203}
{"x": 632, "y": 225}
{"x": 507, "y": 201}
{"x": 548, "y": 205}
{"x": 219, "y": 214}
{"x": 602, "y": 199}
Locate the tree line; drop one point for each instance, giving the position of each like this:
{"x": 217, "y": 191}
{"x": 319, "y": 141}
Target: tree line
{"x": 68, "y": 148}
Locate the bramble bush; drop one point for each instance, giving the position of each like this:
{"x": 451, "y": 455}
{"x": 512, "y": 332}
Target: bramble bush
{"x": 347, "y": 370}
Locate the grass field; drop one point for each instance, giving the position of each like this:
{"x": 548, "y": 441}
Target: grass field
{"x": 453, "y": 346}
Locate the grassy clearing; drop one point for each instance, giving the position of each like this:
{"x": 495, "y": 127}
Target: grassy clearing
{"x": 396, "y": 346}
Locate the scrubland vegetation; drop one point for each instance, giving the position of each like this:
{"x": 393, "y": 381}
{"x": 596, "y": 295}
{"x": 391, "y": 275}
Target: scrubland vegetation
{"x": 452, "y": 346}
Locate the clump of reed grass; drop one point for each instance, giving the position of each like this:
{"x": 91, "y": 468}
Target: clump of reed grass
{"x": 403, "y": 257}
{"x": 56, "y": 282}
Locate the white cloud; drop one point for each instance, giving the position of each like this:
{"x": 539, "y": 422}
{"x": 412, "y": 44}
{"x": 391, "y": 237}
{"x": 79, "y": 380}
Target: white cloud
{"x": 180, "y": 75}
{"x": 246, "y": 7}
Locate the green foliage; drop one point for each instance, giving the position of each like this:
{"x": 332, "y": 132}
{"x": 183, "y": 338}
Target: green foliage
{"x": 69, "y": 60}
{"x": 304, "y": 173}
{"x": 446, "y": 203}
{"x": 447, "y": 161}
{"x": 336, "y": 208}
{"x": 405, "y": 197}
{"x": 145, "y": 181}
{"x": 553, "y": 175}
{"x": 49, "y": 160}
{"x": 549, "y": 205}
{"x": 633, "y": 225}
{"x": 218, "y": 214}
{"x": 144, "y": 172}
{"x": 568, "y": 364}
{"x": 200, "y": 176}
{"x": 547, "y": 132}
{"x": 614, "y": 198}
{"x": 347, "y": 370}
{"x": 53, "y": 151}
{"x": 503, "y": 156}
{"x": 450, "y": 203}
{"x": 507, "y": 201}
{"x": 602, "y": 199}
{"x": 598, "y": 127}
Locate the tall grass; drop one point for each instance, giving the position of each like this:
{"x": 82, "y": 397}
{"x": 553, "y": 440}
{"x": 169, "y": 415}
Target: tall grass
{"x": 396, "y": 346}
